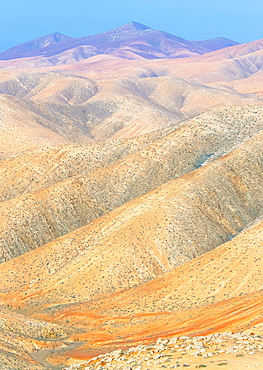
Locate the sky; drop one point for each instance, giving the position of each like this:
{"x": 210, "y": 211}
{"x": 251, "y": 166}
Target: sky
{"x": 24, "y": 20}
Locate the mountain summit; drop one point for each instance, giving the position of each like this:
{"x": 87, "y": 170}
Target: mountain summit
{"x": 138, "y": 26}
{"x": 129, "y": 30}
{"x": 130, "y": 41}
{"x": 32, "y": 47}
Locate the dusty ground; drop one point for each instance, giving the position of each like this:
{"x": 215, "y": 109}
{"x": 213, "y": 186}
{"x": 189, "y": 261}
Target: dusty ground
{"x": 225, "y": 350}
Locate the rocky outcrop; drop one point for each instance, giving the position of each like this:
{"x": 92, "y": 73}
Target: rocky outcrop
{"x": 219, "y": 349}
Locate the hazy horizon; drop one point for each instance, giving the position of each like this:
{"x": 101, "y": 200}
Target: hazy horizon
{"x": 28, "y": 20}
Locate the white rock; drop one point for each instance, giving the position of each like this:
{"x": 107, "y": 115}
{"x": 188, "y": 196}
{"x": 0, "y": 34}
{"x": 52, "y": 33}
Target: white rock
{"x": 173, "y": 340}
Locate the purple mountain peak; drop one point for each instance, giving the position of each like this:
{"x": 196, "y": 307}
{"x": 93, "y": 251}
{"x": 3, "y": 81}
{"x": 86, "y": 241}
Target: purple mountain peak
{"x": 127, "y": 41}
{"x": 138, "y": 26}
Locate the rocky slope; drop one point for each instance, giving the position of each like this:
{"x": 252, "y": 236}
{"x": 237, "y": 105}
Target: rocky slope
{"x": 236, "y": 351}
{"x": 140, "y": 240}
{"x": 109, "y": 246}
{"x": 39, "y": 217}
{"x": 40, "y": 168}
{"x": 199, "y": 298}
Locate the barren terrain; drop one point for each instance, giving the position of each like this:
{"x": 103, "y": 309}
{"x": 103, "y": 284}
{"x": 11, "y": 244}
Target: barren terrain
{"x": 131, "y": 203}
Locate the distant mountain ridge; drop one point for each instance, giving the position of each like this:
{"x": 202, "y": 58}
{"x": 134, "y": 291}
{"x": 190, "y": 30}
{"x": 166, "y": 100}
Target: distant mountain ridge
{"x": 32, "y": 47}
{"x": 130, "y": 41}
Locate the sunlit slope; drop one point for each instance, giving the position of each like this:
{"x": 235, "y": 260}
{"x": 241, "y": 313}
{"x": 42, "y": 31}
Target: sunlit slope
{"x": 229, "y": 64}
{"x": 42, "y": 167}
{"x": 249, "y": 85}
{"x": 20, "y": 129}
{"x": 34, "y": 219}
{"x": 80, "y": 110}
{"x": 105, "y": 333}
{"x": 231, "y": 270}
{"x": 217, "y": 292}
{"x": 120, "y": 104}
{"x": 138, "y": 241}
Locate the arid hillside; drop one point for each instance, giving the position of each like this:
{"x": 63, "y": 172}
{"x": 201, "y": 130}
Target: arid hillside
{"x": 202, "y": 297}
{"x": 40, "y": 109}
{"x": 131, "y": 203}
{"x": 24, "y": 339}
{"x": 107, "y": 97}
{"x": 229, "y": 64}
{"x": 141, "y": 239}
{"x": 37, "y": 169}
{"x": 82, "y": 183}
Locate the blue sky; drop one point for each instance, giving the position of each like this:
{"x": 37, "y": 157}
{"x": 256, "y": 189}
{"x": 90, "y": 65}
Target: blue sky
{"x": 24, "y": 20}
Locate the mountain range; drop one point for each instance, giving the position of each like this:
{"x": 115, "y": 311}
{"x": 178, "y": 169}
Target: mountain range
{"x": 131, "y": 41}
{"x": 131, "y": 202}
